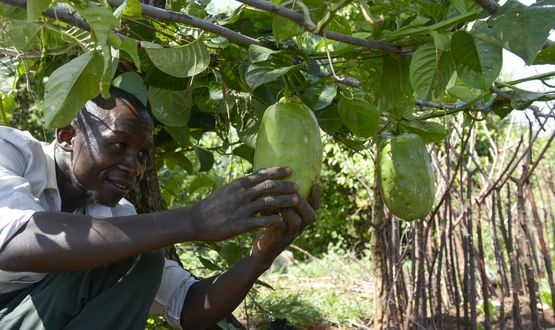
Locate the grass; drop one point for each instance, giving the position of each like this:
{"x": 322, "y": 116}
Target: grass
{"x": 332, "y": 292}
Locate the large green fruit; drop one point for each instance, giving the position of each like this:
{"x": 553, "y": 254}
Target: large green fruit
{"x": 406, "y": 176}
{"x": 289, "y": 135}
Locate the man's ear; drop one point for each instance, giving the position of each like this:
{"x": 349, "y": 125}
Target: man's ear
{"x": 64, "y": 137}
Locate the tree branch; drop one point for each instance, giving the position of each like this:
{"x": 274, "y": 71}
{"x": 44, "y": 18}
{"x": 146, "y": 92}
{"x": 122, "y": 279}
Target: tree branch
{"x": 489, "y": 5}
{"x": 301, "y": 21}
{"x": 55, "y": 12}
{"x": 168, "y": 15}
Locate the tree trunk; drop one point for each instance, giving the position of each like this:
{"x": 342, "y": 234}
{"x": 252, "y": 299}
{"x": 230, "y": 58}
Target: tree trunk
{"x": 147, "y": 198}
{"x": 379, "y": 262}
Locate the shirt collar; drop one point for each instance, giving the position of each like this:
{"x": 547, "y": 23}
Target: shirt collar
{"x": 51, "y": 182}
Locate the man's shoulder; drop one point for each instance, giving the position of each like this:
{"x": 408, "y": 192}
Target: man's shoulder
{"x": 22, "y": 141}
{"x": 21, "y": 152}
{"x": 17, "y": 136}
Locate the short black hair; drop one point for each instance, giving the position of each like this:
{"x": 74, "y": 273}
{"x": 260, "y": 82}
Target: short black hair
{"x": 109, "y": 103}
{"x": 118, "y": 93}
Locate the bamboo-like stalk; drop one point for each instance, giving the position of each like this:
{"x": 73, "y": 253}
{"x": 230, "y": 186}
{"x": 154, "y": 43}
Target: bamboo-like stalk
{"x": 500, "y": 261}
{"x": 526, "y": 249}
{"x": 481, "y": 264}
{"x": 543, "y": 245}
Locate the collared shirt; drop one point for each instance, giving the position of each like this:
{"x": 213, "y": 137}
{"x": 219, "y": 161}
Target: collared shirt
{"x": 28, "y": 184}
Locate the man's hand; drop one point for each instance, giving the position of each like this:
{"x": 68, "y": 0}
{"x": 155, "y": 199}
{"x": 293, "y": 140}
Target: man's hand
{"x": 271, "y": 241}
{"x": 245, "y": 204}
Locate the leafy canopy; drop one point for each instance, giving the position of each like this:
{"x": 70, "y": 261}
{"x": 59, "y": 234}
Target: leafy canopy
{"x": 364, "y": 67}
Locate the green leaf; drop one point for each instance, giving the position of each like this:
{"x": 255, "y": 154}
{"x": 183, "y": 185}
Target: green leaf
{"x": 429, "y": 131}
{"x": 130, "y": 47}
{"x": 132, "y": 8}
{"x": 284, "y": 28}
{"x": 459, "y": 5}
{"x": 442, "y": 41}
{"x": 181, "y": 62}
{"x": 201, "y": 182}
{"x": 325, "y": 96}
{"x": 132, "y": 83}
{"x": 360, "y": 117}
{"x": 35, "y": 8}
{"x": 522, "y": 99}
{"x": 523, "y": 30}
{"x": 179, "y": 134}
{"x": 169, "y": 107}
{"x": 180, "y": 160}
{"x": 260, "y": 54}
{"x": 478, "y": 62}
{"x": 546, "y": 56}
{"x": 502, "y": 109}
{"x": 430, "y": 71}
{"x": 245, "y": 152}
{"x": 101, "y": 20}
{"x": 111, "y": 58}
{"x": 463, "y": 92}
{"x": 208, "y": 264}
{"x": 156, "y": 78}
{"x": 339, "y": 24}
{"x": 259, "y": 74}
{"x": 396, "y": 93}
{"x": 206, "y": 159}
{"x": 329, "y": 120}
{"x": 12, "y": 13}
{"x": 22, "y": 36}
{"x": 70, "y": 87}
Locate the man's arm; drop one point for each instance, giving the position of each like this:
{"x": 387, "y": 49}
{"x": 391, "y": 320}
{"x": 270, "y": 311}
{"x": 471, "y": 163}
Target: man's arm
{"x": 211, "y": 299}
{"x": 56, "y": 241}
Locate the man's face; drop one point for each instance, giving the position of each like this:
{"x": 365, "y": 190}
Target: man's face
{"x": 110, "y": 151}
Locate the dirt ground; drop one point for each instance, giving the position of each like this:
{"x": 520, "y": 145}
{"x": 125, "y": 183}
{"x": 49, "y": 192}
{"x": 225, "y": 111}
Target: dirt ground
{"x": 449, "y": 321}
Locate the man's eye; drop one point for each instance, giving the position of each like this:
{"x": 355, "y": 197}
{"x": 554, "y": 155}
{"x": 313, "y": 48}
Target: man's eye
{"x": 119, "y": 145}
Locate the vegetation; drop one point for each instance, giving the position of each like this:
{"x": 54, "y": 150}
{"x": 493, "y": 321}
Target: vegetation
{"x": 208, "y": 70}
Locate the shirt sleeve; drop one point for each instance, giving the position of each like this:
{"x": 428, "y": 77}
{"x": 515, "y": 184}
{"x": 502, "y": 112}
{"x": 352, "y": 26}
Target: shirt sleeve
{"x": 17, "y": 202}
{"x": 172, "y": 292}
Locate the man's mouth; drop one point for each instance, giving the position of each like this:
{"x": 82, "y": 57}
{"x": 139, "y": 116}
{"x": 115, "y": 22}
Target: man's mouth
{"x": 122, "y": 186}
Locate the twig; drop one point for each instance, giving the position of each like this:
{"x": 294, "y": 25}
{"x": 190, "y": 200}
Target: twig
{"x": 490, "y": 6}
{"x": 168, "y": 15}
{"x": 300, "y": 20}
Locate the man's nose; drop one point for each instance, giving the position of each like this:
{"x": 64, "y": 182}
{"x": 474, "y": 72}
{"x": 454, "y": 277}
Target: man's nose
{"x": 132, "y": 165}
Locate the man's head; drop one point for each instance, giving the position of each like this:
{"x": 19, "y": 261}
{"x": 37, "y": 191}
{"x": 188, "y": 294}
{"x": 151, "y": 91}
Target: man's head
{"x": 103, "y": 152}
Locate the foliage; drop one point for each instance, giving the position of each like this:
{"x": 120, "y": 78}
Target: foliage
{"x": 208, "y": 72}
{"x": 316, "y": 293}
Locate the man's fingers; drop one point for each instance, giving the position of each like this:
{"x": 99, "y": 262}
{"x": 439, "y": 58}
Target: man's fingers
{"x": 260, "y": 175}
{"x": 293, "y": 221}
{"x": 270, "y": 203}
{"x": 266, "y": 221}
{"x": 314, "y": 199}
{"x": 271, "y": 187}
{"x": 306, "y": 212}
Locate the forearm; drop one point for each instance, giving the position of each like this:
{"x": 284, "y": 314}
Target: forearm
{"x": 210, "y": 300}
{"x": 55, "y": 241}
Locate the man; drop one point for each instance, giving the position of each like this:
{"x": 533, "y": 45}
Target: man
{"x": 75, "y": 255}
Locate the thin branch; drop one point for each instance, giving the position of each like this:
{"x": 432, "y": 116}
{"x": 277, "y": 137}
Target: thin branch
{"x": 15, "y": 53}
{"x": 330, "y": 13}
{"x": 300, "y": 20}
{"x": 489, "y": 5}
{"x": 58, "y": 13}
{"x": 169, "y": 15}
{"x": 148, "y": 11}
{"x": 55, "y": 12}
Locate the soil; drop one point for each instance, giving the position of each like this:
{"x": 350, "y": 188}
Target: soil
{"x": 449, "y": 320}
